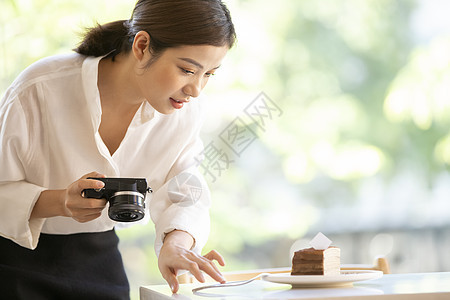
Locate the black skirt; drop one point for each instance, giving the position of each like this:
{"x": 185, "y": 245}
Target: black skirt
{"x": 75, "y": 266}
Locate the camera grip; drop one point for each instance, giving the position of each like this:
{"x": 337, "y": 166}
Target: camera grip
{"x": 93, "y": 193}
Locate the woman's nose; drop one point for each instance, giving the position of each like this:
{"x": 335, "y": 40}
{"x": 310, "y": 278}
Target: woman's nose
{"x": 194, "y": 88}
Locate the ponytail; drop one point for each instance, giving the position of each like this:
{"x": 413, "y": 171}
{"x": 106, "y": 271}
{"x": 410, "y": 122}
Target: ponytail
{"x": 111, "y": 38}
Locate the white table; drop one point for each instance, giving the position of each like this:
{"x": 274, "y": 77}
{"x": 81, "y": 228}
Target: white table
{"x": 408, "y": 286}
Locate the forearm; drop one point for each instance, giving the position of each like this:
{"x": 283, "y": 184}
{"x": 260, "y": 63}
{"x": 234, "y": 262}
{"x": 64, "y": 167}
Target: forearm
{"x": 49, "y": 204}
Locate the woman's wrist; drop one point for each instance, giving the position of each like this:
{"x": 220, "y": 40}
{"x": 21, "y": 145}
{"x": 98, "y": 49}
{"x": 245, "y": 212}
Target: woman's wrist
{"x": 179, "y": 238}
{"x": 49, "y": 204}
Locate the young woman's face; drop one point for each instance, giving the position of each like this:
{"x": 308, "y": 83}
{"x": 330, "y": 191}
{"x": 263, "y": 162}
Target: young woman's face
{"x": 179, "y": 74}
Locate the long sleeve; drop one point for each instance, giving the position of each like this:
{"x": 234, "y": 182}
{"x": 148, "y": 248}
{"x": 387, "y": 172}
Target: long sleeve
{"x": 183, "y": 201}
{"x": 48, "y": 139}
{"x": 17, "y": 196}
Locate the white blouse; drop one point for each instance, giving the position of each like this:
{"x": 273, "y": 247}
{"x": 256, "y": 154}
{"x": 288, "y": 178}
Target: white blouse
{"x": 49, "y": 138}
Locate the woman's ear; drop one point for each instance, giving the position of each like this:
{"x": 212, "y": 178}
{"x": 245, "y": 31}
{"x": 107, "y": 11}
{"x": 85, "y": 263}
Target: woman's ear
{"x": 140, "y": 45}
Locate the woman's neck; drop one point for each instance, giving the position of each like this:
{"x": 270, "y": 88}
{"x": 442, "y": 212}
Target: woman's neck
{"x": 116, "y": 84}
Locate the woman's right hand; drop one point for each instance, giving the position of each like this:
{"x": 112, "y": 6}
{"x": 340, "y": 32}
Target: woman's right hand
{"x": 83, "y": 209}
{"x": 70, "y": 202}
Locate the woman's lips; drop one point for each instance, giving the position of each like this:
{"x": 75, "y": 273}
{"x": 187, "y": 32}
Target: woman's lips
{"x": 177, "y": 104}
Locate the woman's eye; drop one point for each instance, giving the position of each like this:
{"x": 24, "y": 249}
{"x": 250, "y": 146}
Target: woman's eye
{"x": 187, "y": 71}
{"x": 209, "y": 74}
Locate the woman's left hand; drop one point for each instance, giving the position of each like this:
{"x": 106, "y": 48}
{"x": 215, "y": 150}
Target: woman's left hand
{"x": 175, "y": 255}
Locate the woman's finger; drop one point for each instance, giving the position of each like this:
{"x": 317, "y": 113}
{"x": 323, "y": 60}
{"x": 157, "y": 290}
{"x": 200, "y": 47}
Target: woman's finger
{"x": 209, "y": 263}
{"x": 92, "y": 203}
{"x": 194, "y": 268}
{"x": 171, "y": 279}
{"x": 86, "y": 204}
{"x": 203, "y": 264}
{"x": 86, "y": 218}
{"x": 84, "y": 183}
{"x": 86, "y": 211}
{"x": 84, "y": 215}
{"x": 214, "y": 255}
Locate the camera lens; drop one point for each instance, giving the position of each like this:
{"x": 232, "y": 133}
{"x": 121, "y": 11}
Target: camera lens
{"x": 126, "y": 206}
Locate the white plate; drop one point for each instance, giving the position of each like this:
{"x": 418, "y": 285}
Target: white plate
{"x": 345, "y": 278}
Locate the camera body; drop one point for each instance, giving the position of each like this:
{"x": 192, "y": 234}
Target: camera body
{"x": 126, "y": 197}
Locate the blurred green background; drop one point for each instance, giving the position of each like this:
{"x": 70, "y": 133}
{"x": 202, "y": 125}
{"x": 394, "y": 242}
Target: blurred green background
{"x": 359, "y": 146}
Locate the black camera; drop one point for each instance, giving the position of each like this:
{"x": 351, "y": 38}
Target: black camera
{"x": 126, "y": 197}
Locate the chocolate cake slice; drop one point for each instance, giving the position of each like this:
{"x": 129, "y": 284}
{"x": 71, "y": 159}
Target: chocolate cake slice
{"x": 317, "y": 262}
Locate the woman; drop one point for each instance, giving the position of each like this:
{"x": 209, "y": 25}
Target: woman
{"x": 121, "y": 106}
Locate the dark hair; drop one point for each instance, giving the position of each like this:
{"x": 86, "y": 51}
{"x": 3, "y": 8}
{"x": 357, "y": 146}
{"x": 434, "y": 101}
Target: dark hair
{"x": 170, "y": 23}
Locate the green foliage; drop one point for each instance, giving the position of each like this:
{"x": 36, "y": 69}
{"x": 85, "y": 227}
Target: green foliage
{"x": 364, "y": 126}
